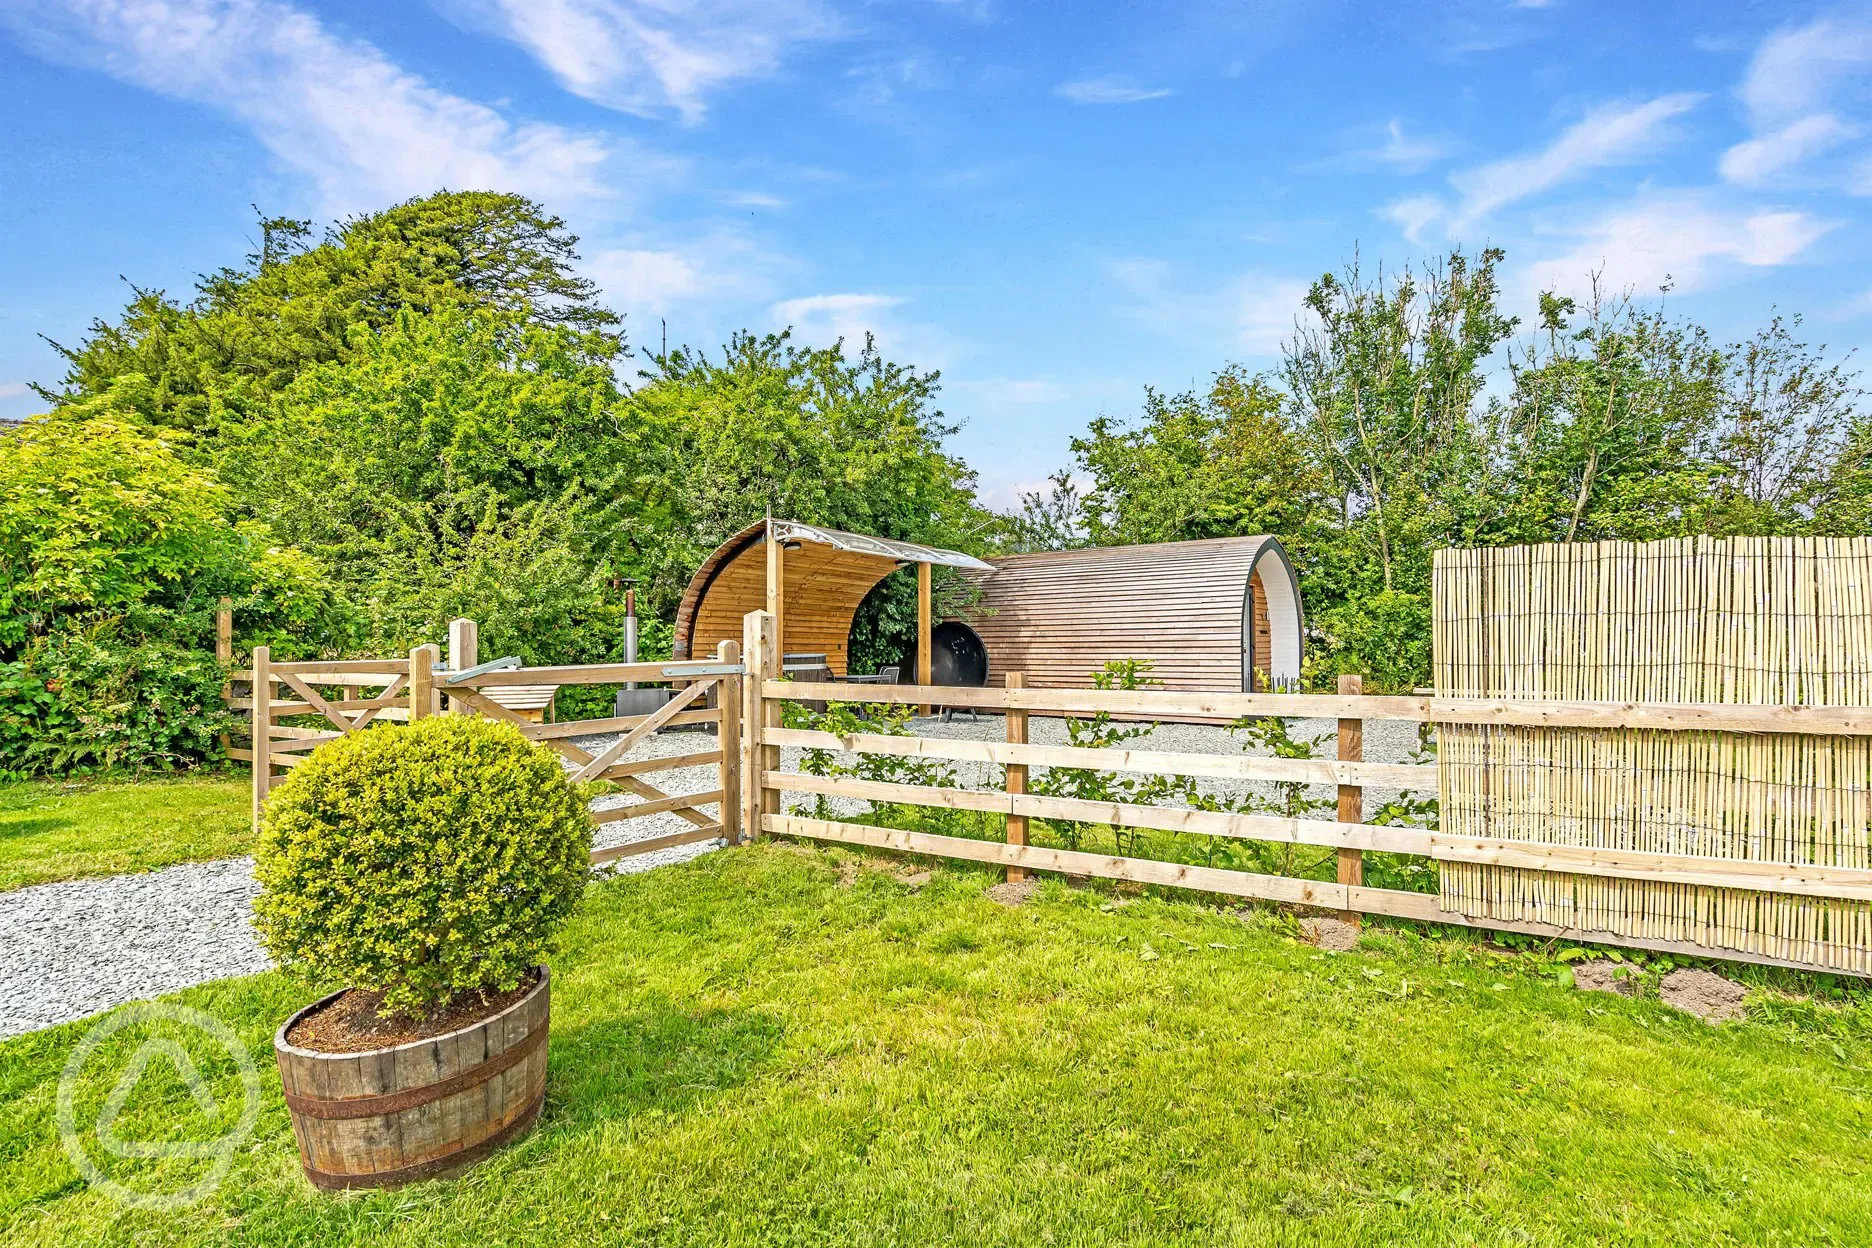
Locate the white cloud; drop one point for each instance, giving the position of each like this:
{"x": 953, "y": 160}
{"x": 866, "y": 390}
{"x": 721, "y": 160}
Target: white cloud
{"x": 1679, "y": 238}
{"x": 657, "y": 279}
{"x": 1610, "y": 135}
{"x": 1406, "y": 154}
{"x": 1267, "y": 310}
{"x": 819, "y": 320}
{"x": 1756, "y": 160}
{"x": 14, "y": 389}
{"x": 651, "y": 56}
{"x": 1798, "y": 82}
{"x": 1256, "y": 312}
{"x": 337, "y": 110}
{"x": 1795, "y": 71}
{"x": 1414, "y": 214}
{"x": 1111, "y": 90}
{"x": 757, "y": 199}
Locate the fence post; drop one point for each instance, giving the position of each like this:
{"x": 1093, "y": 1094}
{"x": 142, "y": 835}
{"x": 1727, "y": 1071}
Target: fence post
{"x": 421, "y": 682}
{"x": 1351, "y": 796}
{"x": 728, "y": 736}
{"x": 262, "y": 729}
{"x": 1016, "y": 775}
{"x": 464, "y": 653}
{"x": 757, "y": 713}
{"x": 224, "y": 652}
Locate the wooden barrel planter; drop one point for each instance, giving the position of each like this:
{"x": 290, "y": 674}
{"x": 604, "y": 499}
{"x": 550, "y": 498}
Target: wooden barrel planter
{"x": 421, "y": 1110}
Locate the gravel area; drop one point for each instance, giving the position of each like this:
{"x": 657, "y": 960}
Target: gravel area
{"x": 81, "y": 946}
{"x": 73, "y": 949}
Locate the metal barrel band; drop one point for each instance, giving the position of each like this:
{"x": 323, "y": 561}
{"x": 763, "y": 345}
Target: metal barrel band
{"x": 397, "y": 1102}
{"x": 435, "y": 1166}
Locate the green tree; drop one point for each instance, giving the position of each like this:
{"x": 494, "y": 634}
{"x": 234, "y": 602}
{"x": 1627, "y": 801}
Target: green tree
{"x": 1385, "y": 382}
{"x": 1220, "y": 464}
{"x": 249, "y": 332}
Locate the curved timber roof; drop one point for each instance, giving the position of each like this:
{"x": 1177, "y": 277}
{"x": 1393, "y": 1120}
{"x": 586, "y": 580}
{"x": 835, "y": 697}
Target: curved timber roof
{"x": 1210, "y": 615}
{"x": 828, "y": 573}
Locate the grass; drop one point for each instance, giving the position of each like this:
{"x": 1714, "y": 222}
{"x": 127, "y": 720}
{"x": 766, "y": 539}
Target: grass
{"x": 62, "y": 830}
{"x": 781, "y": 1046}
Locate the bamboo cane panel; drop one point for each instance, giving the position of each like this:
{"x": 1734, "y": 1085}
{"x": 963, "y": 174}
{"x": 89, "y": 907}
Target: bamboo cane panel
{"x": 1695, "y": 620}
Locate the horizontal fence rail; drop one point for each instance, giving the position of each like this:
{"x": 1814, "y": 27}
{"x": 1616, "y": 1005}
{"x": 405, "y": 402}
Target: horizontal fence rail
{"x": 1530, "y": 713}
{"x": 1766, "y": 873}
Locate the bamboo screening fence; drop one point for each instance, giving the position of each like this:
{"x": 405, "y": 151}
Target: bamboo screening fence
{"x": 1784, "y": 621}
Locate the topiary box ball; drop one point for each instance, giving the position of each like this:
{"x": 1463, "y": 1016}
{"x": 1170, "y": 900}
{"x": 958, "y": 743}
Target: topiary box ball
{"x": 421, "y": 861}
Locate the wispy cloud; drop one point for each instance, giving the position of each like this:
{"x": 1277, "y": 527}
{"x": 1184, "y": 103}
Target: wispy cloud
{"x": 819, "y": 320}
{"x": 653, "y": 56}
{"x": 1757, "y": 160}
{"x": 1256, "y": 312}
{"x": 1610, "y": 135}
{"x": 1680, "y": 239}
{"x": 336, "y": 110}
{"x": 1796, "y": 82}
{"x": 1406, "y": 154}
{"x": 1414, "y": 214}
{"x": 1796, "y": 70}
{"x": 14, "y": 389}
{"x": 1111, "y": 90}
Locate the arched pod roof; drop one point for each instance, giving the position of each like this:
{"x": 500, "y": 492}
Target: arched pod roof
{"x": 828, "y": 573}
{"x": 1207, "y": 614}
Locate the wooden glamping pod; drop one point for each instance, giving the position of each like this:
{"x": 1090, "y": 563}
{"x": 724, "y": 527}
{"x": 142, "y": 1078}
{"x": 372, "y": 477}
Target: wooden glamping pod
{"x": 811, "y": 578}
{"x": 1222, "y": 614}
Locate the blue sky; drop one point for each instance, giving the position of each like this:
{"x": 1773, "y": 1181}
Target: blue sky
{"x": 1055, "y": 204}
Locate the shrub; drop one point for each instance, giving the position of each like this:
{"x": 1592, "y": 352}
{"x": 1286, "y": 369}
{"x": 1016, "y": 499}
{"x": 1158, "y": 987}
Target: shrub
{"x": 421, "y": 861}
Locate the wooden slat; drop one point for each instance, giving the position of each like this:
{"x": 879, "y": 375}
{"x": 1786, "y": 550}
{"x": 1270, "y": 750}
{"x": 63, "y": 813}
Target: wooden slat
{"x": 650, "y": 793}
{"x": 1244, "y": 767}
{"x": 317, "y": 702}
{"x": 586, "y": 674}
{"x": 605, "y": 727}
{"x": 672, "y": 762}
{"x": 708, "y": 832}
{"x": 353, "y": 671}
{"x": 1394, "y": 903}
{"x": 1817, "y": 881}
{"x": 1702, "y": 717}
{"x": 1115, "y": 814}
{"x": 656, "y": 719}
{"x": 681, "y": 801}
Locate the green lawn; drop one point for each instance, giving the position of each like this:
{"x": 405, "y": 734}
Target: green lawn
{"x": 60, "y": 830}
{"x": 764, "y": 1048}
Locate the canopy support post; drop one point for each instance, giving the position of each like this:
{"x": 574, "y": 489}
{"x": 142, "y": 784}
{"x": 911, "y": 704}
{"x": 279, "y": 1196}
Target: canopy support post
{"x": 924, "y": 657}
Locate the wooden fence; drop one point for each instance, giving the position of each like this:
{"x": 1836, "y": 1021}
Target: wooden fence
{"x": 1831, "y": 902}
{"x": 1843, "y": 948}
{"x": 348, "y": 696}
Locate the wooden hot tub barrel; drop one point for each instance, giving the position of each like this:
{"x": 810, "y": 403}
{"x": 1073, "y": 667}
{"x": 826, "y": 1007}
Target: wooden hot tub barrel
{"x": 420, "y": 1110}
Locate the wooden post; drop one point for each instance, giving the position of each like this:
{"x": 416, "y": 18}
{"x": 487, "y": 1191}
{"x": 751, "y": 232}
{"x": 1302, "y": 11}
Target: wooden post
{"x": 224, "y": 652}
{"x": 262, "y": 729}
{"x": 464, "y": 653}
{"x": 421, "y": 682}
{"x": 776, "y": 596}
{"x": 1351, "y": 796}
{"x": 728, "y": 736}
{"x": 1016, "y": 775}
{"x": 924, "y": 656}
{"x": 758, "y": 713}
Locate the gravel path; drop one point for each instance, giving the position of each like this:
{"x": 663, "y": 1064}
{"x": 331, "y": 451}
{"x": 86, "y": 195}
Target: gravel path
{"x": 81, "y": 946}
{"x": 72, "y": 949}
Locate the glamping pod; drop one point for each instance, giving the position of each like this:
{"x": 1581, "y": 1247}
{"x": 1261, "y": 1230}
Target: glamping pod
{"x": 811, "y": 578}
{"x": 1221, "y": 614}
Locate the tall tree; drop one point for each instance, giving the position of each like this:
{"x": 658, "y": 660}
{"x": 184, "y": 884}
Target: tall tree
{"x": 1385, "y": 380}
{"x": 248, "y": 332}
{"x": 1218, "y": 464}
